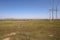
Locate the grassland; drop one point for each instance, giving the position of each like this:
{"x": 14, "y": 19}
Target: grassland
{"x": 30, "y": 29}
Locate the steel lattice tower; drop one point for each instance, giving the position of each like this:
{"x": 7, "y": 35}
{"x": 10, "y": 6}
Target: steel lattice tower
{"x": 53, "y": 10}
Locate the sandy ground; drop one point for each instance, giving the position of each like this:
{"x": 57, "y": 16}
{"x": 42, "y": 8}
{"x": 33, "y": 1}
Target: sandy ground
{"x": 8, "y": 38}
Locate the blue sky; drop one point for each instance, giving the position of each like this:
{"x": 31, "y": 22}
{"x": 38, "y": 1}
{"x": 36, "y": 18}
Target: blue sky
{"x": 26, "y": 9}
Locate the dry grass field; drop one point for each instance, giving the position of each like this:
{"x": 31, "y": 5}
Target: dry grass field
{"x": 29, "y": 30}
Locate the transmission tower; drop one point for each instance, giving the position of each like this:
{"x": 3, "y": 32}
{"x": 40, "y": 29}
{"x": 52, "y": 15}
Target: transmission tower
{"x": 56, "y": 12}
{"x": 53, "y": 10}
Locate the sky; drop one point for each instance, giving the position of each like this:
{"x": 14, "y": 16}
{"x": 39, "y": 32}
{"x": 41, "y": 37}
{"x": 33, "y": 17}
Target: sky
{"x": 27, "y": 9}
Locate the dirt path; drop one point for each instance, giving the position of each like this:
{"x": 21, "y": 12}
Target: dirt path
{"x": 8, "y": 38}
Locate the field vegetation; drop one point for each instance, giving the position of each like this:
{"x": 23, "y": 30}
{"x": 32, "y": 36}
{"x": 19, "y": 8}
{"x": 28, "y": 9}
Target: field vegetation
{"x": 30, "y": 29}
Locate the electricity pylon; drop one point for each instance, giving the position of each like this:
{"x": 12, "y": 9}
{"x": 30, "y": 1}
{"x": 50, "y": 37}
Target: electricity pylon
{"x": 56, "y": 12}
{"x": 53, "y": 10}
